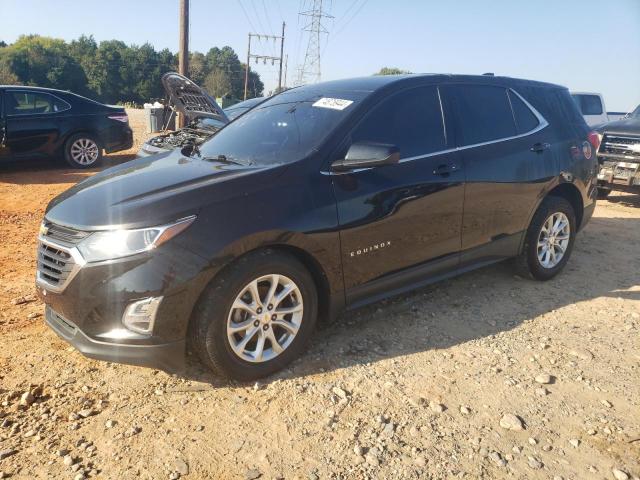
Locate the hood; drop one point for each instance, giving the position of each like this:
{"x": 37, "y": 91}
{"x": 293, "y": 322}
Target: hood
{"x": 626, "y": 126}
{"x": 191, "y": 100}
{"x": 152, "y": 191}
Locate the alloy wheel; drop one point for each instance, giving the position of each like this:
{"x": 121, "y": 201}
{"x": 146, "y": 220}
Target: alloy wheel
{"x": 265, "y": 318}
{"x": 84, "y": 151}
{"x": 553, "y": 240}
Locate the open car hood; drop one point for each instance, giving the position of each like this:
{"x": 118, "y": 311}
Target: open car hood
{"x": 191, "y": 100}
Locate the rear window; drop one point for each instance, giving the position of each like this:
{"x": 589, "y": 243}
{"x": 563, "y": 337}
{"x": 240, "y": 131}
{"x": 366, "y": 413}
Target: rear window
{"x": 525, "y": 119}
{"x": 484, "y": 113}
{"x": 588, "y": 104}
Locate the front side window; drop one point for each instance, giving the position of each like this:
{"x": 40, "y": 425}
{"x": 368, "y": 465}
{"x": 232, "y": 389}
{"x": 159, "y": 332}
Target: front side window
{"x": 411, "y": 120}
{"x": 30, "y": 103}
{"x": 484, "y": 113}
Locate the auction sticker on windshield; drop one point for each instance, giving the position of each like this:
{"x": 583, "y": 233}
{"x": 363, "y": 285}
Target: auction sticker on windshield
{"x": 333, "y": 103}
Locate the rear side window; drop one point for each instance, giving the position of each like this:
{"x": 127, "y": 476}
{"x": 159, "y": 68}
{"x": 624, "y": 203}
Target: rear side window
{"x": 525, "y": 118}
{"x": 410, "y": 120}
{"x": 588, "y": 104}
{"x": 484, "y": 113}
{"x": 30, "y": 103}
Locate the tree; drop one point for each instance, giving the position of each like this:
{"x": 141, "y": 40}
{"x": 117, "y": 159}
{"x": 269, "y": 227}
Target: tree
{"x": 218, "y": 83}
{"x": 391, "y": 71}
{"x": 2, "y": 44}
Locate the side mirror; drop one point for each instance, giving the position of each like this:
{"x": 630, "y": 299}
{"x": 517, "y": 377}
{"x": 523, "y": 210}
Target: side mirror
{"x": 367, "y": 155}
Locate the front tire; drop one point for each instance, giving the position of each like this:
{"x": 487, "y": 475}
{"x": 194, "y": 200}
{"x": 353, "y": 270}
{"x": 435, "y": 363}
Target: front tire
{"x": 549, "y": 240}
{"x": 256, "y": 317}
{"x": 82, "y": 150}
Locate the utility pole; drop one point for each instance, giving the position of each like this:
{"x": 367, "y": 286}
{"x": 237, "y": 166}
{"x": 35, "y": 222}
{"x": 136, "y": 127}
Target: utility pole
{"x": 311, "y": 67}
{"x": 281, "y": 56}
{"x": 286, "y": 65}
{"x": 183, "y": 54}
{"x": 264, "y": 58}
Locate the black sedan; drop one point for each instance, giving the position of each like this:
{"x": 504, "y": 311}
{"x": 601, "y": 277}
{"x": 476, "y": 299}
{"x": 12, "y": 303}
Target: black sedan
{"x": 43, "y": 122}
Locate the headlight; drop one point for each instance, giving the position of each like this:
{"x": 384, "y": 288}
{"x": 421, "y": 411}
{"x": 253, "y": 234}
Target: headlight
{"x": 112, "y": 244}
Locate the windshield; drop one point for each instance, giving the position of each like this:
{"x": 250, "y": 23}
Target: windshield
{"x": 235, "y": 112}
{"x": 206, "y": 122}
{"x": 635, "y": 113}
{"x": 278, "y": 132}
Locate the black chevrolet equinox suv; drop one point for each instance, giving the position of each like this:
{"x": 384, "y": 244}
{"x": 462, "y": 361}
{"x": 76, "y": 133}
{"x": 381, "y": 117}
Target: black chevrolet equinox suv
{"x": 324, "y": 197}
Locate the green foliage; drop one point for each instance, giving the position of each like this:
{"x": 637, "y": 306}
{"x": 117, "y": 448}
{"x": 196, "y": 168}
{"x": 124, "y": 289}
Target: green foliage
{"x": 391, "y": 71}
{"x": 113, "y": 72}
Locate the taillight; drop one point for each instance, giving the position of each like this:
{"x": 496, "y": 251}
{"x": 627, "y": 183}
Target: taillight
{"x": 594, "y": 139}
{"x": 120, "y": 117}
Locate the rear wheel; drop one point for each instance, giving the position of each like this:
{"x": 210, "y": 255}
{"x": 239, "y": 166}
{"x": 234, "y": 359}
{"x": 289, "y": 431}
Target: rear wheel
{"x": 256, "y": 317}
{"x": 549, "y": 240}
{"x": 82, "y": 151}
{"x": 603, "y": 193}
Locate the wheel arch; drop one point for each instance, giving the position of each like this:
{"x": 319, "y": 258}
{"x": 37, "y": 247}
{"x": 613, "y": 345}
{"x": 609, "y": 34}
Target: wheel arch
{"x": 71, "y": 133}
{"x": 570, "y": 193}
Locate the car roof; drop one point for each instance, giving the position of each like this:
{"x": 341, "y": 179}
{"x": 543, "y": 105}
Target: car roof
{"x": 376, "y": 82}
{"x": 29, "y": 87}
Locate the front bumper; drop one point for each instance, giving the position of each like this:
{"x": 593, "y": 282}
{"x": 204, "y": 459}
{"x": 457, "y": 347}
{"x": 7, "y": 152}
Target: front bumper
{"x": 617, "y": 175}
{"x": 169, "y": 356}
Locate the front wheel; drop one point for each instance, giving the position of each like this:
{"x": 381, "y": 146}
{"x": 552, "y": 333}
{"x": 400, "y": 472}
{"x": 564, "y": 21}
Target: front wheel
{"x": 256, "y": 317}
{"x": 82, "y": 151}
{"x": 549, "y": 240}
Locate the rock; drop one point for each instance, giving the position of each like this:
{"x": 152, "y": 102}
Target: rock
{"x": 110, "y": 423}
{"x": 606, "y": 403}
{"x": 252, "y": 474}
{"x": 541, "y": 392}
{"x": 388, "y": 429}
{"x": 465, "y": 410}
{"x": 420, "y": 461}
{"x": 544, "y": 378}
{"x": 358, "y": 460}
{"x": 510, "y": 421}
{"x": 79, "y": 476}
{"x": 358, "y": 450}
{"x": 87, "y": 412}
{"x": 174, "y": 476}
{"x": 73, "y": 417}
{"x": 68, "y": 460}
{"x": 574, "y": 442}
{"x": 30, "y": 433}
{"x": 535, "y": 463}
{"x": 437, "y": 407}
{"x": 339, "y": 392}
{"x": 182, "y": 467}
{"x": 620, "y": 474}
{"x": 23, "y": 300}
{"x": 517, "y": 449}
{"x": 27, "y": 399}
{"x": 372, "y": 460}
{"x": 62, "y": 452}
{"x": 7, "y": 453}
{"x": 533, "y": 441}
{"x": 591, "y": 431}
{"x": 582, "y": 354}
{"x": 497, "y": 459}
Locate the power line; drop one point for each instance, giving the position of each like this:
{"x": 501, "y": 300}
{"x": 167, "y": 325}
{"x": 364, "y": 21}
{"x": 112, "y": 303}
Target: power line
{"x": 311, "y": 68}
{"x": 246, "y": 16}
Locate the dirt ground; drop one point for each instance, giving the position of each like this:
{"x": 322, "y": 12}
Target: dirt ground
{"x": 483, "y": 376}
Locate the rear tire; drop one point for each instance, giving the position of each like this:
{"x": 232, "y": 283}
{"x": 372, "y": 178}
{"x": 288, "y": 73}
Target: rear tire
{"x": 219, "y": 326}
{"x": 603, "y": 193}
{"x": 82, "y": 150}
{"x": 545, "y": 254}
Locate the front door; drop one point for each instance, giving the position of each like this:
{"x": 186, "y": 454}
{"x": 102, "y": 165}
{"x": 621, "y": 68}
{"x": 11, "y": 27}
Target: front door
{"x": 401, "y": 222}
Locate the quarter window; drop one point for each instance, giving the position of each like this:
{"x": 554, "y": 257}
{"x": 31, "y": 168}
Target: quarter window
{"x": 525, "y": 119}
{"x": 484, "y": 113}
{"x": 410, "y": 120}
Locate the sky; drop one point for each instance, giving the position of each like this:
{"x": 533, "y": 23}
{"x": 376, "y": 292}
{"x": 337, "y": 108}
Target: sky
{"x": 586, "y": 45}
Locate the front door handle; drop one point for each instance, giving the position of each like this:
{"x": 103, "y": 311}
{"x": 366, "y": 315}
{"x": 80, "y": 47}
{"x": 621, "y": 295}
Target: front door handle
{"x": 540, "y": 147}
{"x": 445, "y": 170}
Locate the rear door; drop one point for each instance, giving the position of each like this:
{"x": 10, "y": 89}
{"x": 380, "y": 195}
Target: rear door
{"x": 504, "y": 161}
{"x": 32, "y": 121}
{"x": 398, "y": 216}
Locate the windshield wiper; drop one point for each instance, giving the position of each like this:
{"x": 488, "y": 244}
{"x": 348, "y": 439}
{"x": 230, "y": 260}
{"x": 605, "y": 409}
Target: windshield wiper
{"x": 222, "y": 159}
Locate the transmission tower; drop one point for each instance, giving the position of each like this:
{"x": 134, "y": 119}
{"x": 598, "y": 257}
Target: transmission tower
{"x": 311, "y": 71}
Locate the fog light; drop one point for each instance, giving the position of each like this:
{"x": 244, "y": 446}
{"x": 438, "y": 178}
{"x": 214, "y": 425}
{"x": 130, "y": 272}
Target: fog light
{"x": 141, "y": 315}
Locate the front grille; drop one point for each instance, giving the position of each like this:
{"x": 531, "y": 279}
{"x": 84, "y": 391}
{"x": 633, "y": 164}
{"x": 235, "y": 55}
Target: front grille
{"x": 620, "y": 146}
{"x": 54, "y": 264}
{"x": 64, "y": 235}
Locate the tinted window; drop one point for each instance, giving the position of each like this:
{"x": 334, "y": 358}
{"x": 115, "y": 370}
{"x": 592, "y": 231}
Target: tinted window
{"x": 589, "y": 104}
{"x": 22, "y": 103}
{"x": 60, "y": 105}
{"x": 484, "y": 113}
{"x": 525, "y": 119}
{"x": 410, "y": 120}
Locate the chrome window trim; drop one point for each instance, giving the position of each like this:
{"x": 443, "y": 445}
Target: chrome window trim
{"x": 78, "y": 263}
{"x": 37, "y": 92}
{"x": 542, "y": 123}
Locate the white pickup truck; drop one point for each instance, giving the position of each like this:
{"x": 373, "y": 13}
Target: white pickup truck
{"x": 593, "y": 110}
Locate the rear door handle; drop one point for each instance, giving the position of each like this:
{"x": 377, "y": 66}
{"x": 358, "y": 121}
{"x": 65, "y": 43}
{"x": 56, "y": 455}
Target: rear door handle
{"x": 540, "y": 147}
{"x": 445, "y": 170}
